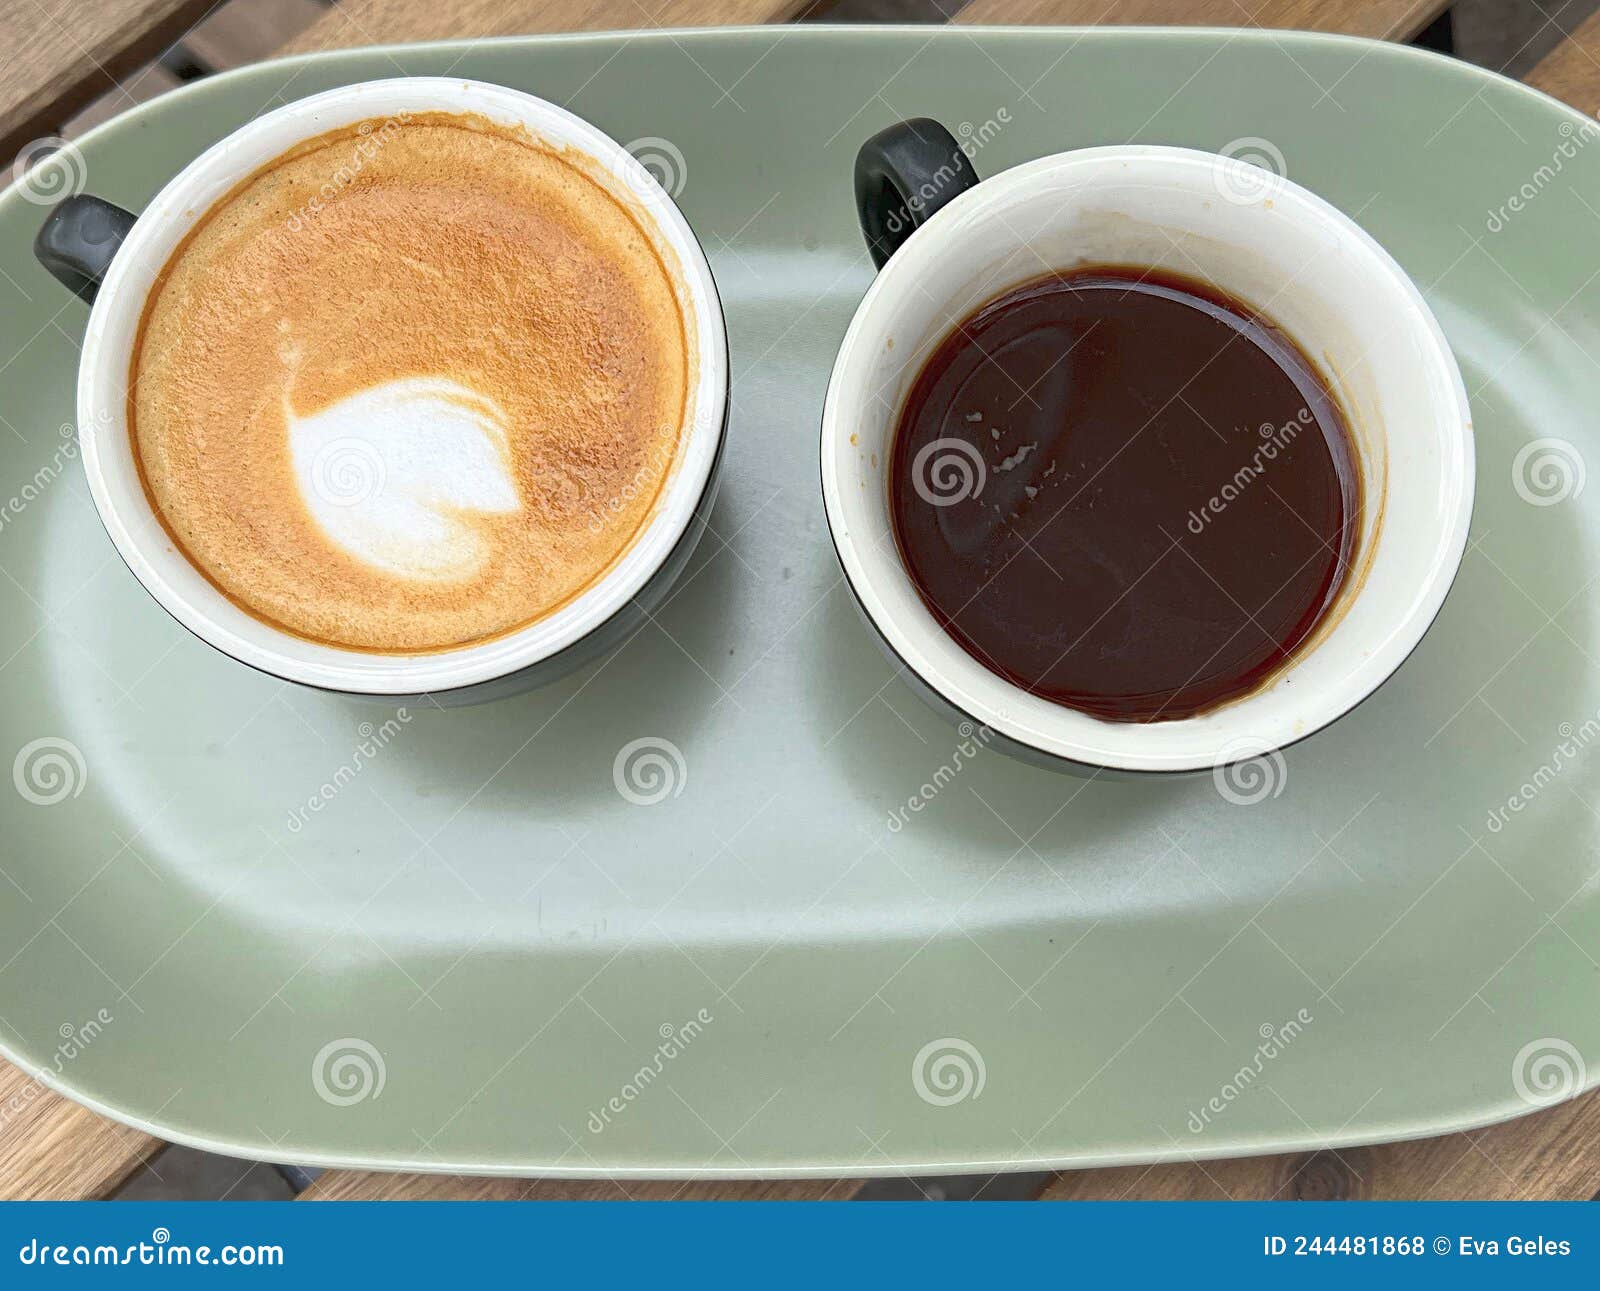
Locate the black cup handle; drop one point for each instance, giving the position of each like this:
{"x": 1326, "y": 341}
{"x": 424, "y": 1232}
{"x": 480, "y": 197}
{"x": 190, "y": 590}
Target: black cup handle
{"x": 903, "y": 175}
{"x": 78, "y": 240}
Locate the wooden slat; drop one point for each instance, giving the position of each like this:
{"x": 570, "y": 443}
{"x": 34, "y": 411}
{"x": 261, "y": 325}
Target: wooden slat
{"x": 1552, "y": 1155}
{"x": 246, "y": 31}
{"x": 53, "y": 1150}
{"x": 56, "y": 56}
{"x": 371, "y": 22}
{"x": 1571, "y": 71}
{"x": 351, "y": 1185}
{"x": 1384, "y": 19}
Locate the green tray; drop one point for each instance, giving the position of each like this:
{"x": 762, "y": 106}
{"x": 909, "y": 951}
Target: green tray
{"x": 475, "y": 954}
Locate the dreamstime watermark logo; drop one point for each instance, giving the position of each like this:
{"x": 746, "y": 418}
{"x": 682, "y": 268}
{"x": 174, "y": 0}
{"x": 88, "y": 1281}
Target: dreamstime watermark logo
{"x": 371, "y": 741}
{"x": 32, "y": 489}
{"x": 973, "y": 738}
{"x": 348, "y": 471}
{"x": 372, "y": 137}
{"x": 1274, "y": 440}
{"x": 49, "y": 170}
{"x": 657, "y": 165}
{"x": 1274, "y": 1040}
{"x": 948, "y": 1071}
{"x": 645, "y": 479}
{"x": 649, "y": 770}
{"x": 1249, "y": 772}
{"x": 972, "y": 139}
{"x": 1548, "y": 471}
{"x": 49, "y": 770}
{"x": 348, "y": 1071}
{"x": 1547, "y": 1071}
{"x": 1573, "y": 139}
{"x": 1574, "y": 740}
{"x": 947, "y": 471}
{"x": 75, "y": 1037}
{"x": 1249, "y": 170}
{"x": 674, "y": 1040}
{"x": 160, "y": 1251}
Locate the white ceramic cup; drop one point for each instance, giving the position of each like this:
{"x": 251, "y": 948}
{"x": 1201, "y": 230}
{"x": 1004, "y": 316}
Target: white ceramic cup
{"x": 952, "y": 243}
{"x": 136, "y": 250}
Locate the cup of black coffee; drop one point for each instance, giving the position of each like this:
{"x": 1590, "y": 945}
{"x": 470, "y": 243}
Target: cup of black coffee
{"x": 1141, "y": 457}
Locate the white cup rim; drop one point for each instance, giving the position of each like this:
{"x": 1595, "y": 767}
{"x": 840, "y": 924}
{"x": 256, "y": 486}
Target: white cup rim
{"x": 967, "y": 686}
{"x": 166, "y": 572}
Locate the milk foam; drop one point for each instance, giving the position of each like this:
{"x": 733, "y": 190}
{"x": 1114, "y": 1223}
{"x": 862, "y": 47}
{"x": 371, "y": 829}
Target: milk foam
{"x": 395, "y": 475}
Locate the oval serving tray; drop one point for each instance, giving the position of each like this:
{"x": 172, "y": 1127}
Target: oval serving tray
{"x": 732, "y": 901}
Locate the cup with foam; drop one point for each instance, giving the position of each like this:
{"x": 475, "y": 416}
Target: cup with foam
{"x": 417, "y": 386}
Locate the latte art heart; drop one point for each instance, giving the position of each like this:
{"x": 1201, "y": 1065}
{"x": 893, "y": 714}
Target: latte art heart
{"x": 398, "y": 475}
{"x": 430, "y": 401}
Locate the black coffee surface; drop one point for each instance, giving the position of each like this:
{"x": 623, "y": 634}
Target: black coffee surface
{"x": 1124, "y": 492}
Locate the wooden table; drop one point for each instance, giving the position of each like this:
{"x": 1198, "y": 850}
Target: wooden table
{"x": 61, "y": 60}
